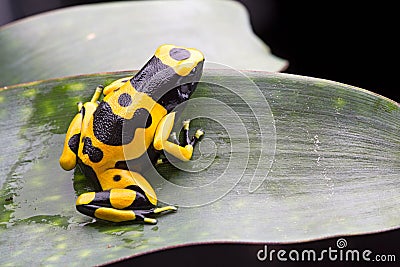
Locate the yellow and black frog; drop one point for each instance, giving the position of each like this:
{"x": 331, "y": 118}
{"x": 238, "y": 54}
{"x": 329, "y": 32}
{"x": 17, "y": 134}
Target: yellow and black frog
{"x": 114, "y": 141}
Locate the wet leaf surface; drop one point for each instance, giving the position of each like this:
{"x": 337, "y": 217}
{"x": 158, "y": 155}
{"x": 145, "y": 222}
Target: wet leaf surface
{"x": 284, "y": 159}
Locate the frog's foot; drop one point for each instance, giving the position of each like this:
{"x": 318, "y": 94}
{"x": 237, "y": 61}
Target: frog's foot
{"x": 119, "y": 205}
{"x": 191, "y": 140}
{"x": 141, "y": 215}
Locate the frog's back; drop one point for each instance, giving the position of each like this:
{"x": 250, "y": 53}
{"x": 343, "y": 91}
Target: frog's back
{"x": 122, "y": 128}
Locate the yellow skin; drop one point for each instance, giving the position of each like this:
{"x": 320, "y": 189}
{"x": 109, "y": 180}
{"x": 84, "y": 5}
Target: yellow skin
{"x": 132, "y": 124}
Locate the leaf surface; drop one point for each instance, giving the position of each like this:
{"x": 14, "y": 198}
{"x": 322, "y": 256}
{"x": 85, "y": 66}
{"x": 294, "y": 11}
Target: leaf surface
{"x": 284, "y": 159}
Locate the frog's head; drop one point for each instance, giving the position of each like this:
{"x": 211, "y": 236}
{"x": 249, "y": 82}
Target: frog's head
{"x": 171, "y": 75}
{"x": 187, "y": 63}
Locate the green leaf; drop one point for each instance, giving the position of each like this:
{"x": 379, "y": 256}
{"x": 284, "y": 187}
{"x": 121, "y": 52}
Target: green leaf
{"x": 121, "y": 36}
{"x": 284, "y": 159}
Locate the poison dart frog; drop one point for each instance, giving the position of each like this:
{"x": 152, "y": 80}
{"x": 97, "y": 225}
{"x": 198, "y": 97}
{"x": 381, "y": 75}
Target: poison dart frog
{"x": 114, "y": 140}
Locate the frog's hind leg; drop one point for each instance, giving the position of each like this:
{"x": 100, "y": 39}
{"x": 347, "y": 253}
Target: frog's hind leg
{"x": 119, "y": 205}
{"x": 68, "y": 157}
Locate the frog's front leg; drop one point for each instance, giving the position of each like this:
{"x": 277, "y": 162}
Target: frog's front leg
{"x": 180, "y": 151}
{"x": 119, "y": 205}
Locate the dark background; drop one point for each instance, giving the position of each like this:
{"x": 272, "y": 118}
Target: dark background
{"x": 352, "y": 43}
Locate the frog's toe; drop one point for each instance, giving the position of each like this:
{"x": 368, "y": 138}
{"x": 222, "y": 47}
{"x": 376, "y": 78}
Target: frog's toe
{"x": 186, "y": 124}
{"x": 163, "y": 209}
{"x": 199, "y": 133}
{"x": 150, "y": 220}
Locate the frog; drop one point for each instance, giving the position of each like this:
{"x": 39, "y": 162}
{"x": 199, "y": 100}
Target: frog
{"x": 113, "y": 141}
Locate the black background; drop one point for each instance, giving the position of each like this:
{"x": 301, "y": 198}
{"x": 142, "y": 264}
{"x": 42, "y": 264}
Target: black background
{"x": 342, "y": 41}
{"x": 346, "y": 41}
